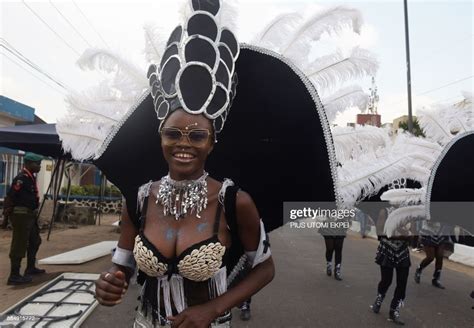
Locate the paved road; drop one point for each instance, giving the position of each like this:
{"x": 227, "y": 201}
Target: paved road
{"x": 301, "y": 294}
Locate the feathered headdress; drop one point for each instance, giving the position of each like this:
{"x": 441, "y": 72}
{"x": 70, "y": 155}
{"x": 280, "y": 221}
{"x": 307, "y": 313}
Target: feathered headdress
{"x": 197, "y": 68}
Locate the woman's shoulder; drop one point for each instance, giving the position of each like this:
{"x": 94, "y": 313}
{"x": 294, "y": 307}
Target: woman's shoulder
{"x": 220, "y": 188}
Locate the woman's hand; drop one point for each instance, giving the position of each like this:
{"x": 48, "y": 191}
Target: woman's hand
{"x": 198, "y": 316}
{"x": 110, "y": 287}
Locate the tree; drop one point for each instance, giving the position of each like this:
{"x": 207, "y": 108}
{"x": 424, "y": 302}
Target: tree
{"x": 417, "y": 131}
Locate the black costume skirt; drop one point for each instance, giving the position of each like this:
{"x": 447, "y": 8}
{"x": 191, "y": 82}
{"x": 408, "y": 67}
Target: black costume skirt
{"x": 393, "y": 253}
{"x": 434, "y": 241}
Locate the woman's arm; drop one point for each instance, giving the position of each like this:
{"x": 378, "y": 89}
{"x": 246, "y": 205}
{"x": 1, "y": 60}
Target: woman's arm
{"x": 113, "y": 283}
{"x": 248, "y": 221}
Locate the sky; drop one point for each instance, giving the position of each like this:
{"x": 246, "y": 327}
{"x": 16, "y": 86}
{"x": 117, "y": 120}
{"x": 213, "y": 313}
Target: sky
{"x": 441, "y": 45}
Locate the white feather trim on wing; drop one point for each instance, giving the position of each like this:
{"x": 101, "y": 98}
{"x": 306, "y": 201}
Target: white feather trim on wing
{"x": 419, "y": 173}
{"x": 90, "y": 118}
{"x": 424, "y": 152}
{"x": 461, "y": 120}
{"x": 404, "y": 196}
{"x": 366, "y": 175}
{"x": 155, "y": 42}
{"x": 93, "y": 114}
{"x": 332, "y": 20}
{"x": 276, "y": 32}
{"x": 106, "y": 60}
{"x": 328, "y": 71}
{"x": 350, "y": 142}
{"x": 400, "y": 217}
{"x": 467, "y": 95}
{"x": 343, "y": 99}
{"x": 228, "y": 15}
{"x": 434, "y": 125}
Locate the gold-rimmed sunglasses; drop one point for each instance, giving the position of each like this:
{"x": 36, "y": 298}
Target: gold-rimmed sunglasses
{"x": 196, "y": 137}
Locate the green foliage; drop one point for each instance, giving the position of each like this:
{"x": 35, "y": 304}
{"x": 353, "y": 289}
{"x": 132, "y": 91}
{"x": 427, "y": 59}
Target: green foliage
{"x": 417, "y": 131}
{"x": 92, "y": 190}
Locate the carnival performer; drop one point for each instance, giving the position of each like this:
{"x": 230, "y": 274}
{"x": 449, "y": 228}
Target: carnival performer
{"x": 334, "y": 241}
{"x": 392, "y": 255}
{"x": 190, "y": 235}
{"x": 183, "y": 237}
{"x": 434, "y": 238}
{"x": 188, "y": 220}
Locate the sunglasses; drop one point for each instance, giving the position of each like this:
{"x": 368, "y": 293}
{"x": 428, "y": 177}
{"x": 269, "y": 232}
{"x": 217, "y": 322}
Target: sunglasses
{"x": 196, "y": 137}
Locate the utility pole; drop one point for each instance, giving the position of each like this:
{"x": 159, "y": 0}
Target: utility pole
{"x": 407, "y": 47}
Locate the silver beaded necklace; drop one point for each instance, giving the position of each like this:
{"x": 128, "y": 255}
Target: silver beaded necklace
{"x": 180, "y": 197}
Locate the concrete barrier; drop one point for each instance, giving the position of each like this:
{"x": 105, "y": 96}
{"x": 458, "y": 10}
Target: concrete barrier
{"x": 463, "y": 254}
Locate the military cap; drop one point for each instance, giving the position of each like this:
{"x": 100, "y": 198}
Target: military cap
{"x": 32, "y": 157}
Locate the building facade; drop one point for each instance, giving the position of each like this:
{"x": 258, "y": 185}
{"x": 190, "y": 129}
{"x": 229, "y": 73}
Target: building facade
{"x": 14, "y": 113}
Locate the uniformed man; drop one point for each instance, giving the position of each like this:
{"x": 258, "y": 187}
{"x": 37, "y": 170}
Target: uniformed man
{"x": 21, "y": 206}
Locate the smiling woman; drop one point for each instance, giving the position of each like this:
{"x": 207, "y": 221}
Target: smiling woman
{"x": 186, "y": 142}
{"x": 196, "y": 238}
{"x": 192, "y": 229}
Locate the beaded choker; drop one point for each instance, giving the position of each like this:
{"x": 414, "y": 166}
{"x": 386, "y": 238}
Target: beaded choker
{"x": 182, "y": 197}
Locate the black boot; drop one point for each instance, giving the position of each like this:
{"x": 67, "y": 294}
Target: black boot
{"x": 329, "y": 269}
{"x": 394, "y": 314}
{"x": 31, "y": 269}
{"x": 377, "y": 303}
{"x": 337, "y": 272}
{"x": 418, "y": 274}
{"x": 435, "y": 282}
{"x": 15, "y": 278}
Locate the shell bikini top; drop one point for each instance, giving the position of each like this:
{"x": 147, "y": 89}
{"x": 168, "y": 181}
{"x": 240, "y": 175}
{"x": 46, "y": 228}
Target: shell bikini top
{"x": 199, "y": 262}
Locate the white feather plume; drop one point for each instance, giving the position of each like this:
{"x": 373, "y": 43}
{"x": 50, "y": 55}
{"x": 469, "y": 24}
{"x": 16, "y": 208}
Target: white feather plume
{"x": 461, "y": 120}
{"x": 228, "y": 15}
{"x": 106, "y": 60}
{"x": 400, "y": 217}
{"x": 404, "y": 196}
{"x": 128, "y": 78}
{"x": 91, "y": 116}
{"x": 366, "y": 175}
{"x": 94, "y": 113}
{"x": 419, "y": 144}
{"x": 467, "y": 96}
{"x": 329, "y": 70}
{"x": 332, "y": 20}
{"x": 352, "y": 142}
{"x": 418, "y": 173}
{"x": 435, "y": 125}
{"x": 423, "y": 152}
{"x": 155, "y": 42}
{"x": 276, "y": 32}
{"x": 343, "y": 99}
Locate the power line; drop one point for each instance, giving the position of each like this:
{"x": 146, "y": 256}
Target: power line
{"x": 90, "y": 24}
{"x": 70, "y": 24}
{"x": 29, "y": 72}
{"x": 434, "y": 89}
{"x": 8, "y": 47}
{"x": 446, "y": 85}
{"x": 52, "y": 30}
